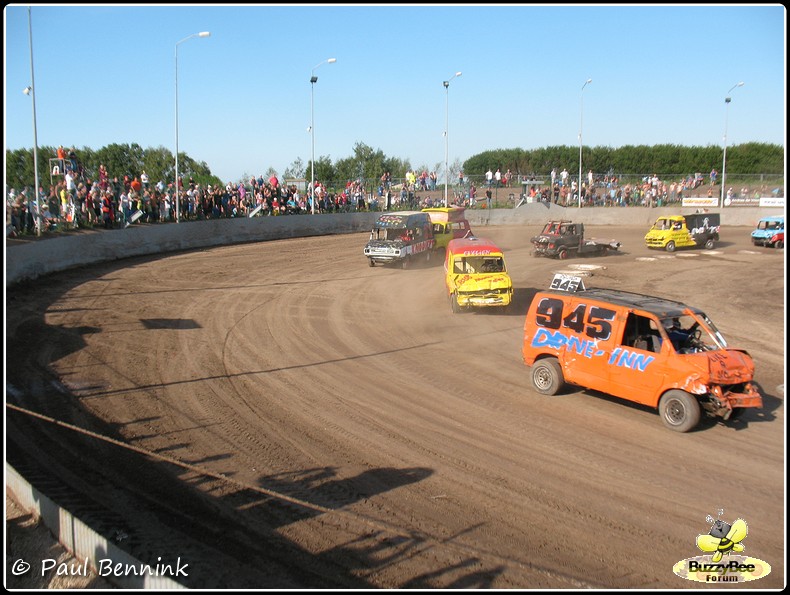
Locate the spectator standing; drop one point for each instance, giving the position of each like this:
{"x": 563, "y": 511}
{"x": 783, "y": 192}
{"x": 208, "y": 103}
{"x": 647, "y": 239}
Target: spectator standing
{"x": 71, "y": 183}
{"x": 713, "y": 175}
{"x": 107, "y": 211}
{"x": 73, "y": 160}
{"x": 564, "y": 177}
{"x": 125, "y": 207}
{"x": 489, "y": 177}
{"x": 144, "y": 180}
{"x": 553, "y": 177}
{"x": 498, "y": 177}
{"x": 104, "y": 178}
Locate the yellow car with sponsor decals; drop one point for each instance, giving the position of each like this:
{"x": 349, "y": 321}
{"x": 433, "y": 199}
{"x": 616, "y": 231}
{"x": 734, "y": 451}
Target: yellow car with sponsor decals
{"x": 476, "y": 274}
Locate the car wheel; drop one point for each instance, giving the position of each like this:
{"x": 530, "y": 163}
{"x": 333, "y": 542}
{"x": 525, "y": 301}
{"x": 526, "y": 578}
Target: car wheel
{"x": 547, "y": 376}
{"x": 679, "y": 410}
{"x": 670, "y": 247}
{"x": 709, "y": 244}
{"x": 454, "y": 303}
{"x": 779, "y": 245}
{"x": 371, "y": 262}
{"x": 562, "y": 254}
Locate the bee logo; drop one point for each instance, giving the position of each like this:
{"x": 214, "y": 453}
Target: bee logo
{"x": 723, "y": 537}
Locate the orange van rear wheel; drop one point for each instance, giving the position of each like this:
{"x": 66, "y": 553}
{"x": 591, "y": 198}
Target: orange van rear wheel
{"x": 547, "y": 376}
{"x": 679, "y": 410}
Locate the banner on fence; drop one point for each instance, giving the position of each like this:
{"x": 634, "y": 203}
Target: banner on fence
{"x": 700, "y": 201}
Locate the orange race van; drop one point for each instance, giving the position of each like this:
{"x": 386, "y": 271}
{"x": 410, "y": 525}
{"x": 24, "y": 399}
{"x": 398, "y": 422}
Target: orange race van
{"x": 476, "y": 274}
{"x": 654, "y": 351}
{"x": 448, "y": 223}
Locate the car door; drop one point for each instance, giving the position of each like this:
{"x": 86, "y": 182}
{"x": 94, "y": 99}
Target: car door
{"x": 639, "y": 360}
{"x": 581, "y": 330}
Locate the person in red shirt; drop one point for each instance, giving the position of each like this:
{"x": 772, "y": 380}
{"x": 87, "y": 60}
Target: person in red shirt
{"x": 136, "y": 185}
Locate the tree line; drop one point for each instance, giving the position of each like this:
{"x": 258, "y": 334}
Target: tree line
{"x": 367, "y": 163}
{"x": 667, "y": 159}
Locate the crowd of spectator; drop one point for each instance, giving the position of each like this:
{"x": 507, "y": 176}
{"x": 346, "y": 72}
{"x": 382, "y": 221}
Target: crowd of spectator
{"x": 608, "y": 191}
{"x": 78, "y": 200}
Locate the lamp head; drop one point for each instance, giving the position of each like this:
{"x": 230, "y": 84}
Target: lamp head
{"x": 27, "y": 90}
{"x": 333, "y": 60}
{"x": 204, "y": 34}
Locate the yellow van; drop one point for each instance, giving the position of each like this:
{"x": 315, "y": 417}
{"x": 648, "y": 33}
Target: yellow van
{"x": 476, "y": 274}
{"x": 684, "y": 231}
{"x": 448, "y": 224}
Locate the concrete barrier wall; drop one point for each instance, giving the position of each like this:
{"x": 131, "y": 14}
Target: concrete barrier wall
{"x": 30, "y": 260}
{"x": 84, "y": 543}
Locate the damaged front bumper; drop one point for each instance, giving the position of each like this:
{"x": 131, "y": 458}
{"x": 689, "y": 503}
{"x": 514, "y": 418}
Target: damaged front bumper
{"x": 722, "y": 400}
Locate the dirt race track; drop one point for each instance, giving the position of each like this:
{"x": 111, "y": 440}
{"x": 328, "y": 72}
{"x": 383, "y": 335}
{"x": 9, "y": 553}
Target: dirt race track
{"x": 282, "y": 415}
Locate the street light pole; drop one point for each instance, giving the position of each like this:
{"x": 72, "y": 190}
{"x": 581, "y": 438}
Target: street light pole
{"x": 177, "y": 198}
{"x": 447, "y": 134}
{"x": 32, "y": 91}
{"x": 581, "y": 121}
{"x": 313, "y": 81}
{"x": 724, "y": 160}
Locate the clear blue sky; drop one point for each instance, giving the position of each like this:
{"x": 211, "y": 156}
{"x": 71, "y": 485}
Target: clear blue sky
{"x": 660, "y": 73}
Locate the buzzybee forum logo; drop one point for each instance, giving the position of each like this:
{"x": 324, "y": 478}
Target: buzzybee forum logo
{"x": 720, "y": 565}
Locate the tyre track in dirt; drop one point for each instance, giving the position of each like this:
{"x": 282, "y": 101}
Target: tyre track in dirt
{"x": 410, "y": 435}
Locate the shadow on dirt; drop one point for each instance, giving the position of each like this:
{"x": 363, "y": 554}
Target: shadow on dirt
{"x": 153, "y": 505}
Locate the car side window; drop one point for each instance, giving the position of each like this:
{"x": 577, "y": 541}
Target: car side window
{"x": 641, "y": 332}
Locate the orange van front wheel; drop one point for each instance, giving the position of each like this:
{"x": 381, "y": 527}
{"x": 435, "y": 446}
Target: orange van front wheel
{"x": 547, "y": 376}
{"x": 679, "y": 410}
